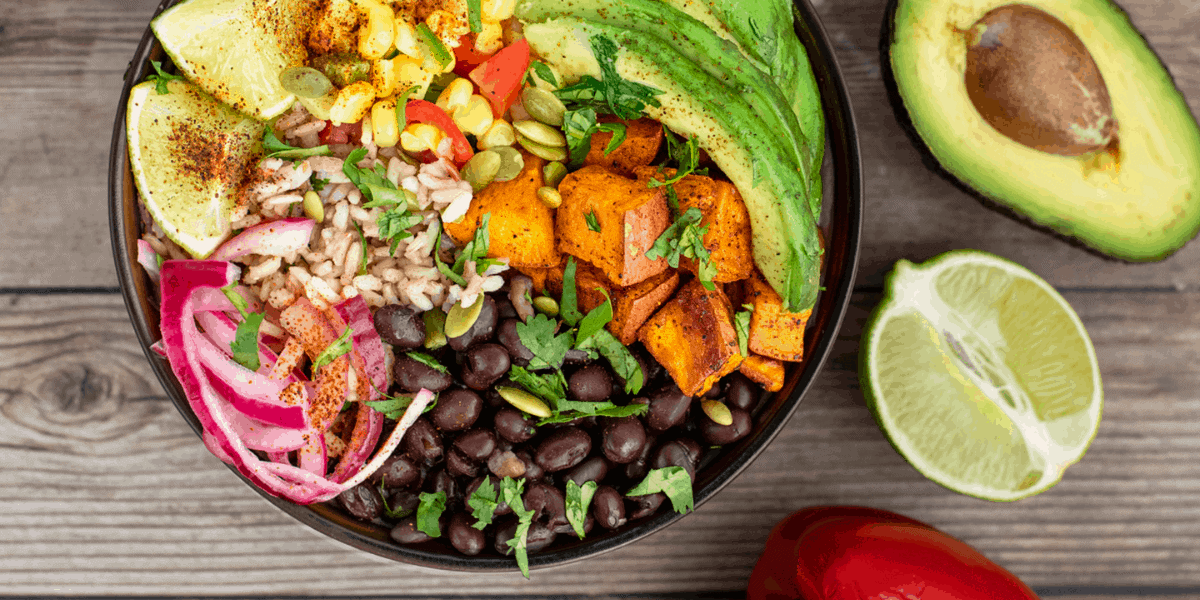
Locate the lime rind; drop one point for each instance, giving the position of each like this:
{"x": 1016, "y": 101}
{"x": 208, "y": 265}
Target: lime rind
{"x": 995, "y": 435}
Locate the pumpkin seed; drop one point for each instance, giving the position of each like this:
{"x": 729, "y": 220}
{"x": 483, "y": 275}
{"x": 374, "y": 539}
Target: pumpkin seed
{"x": 481, "y": 169}
{"x": 546, "y": 305}
{"x": 549, "y": 196}
{"x": 540, "y": 133}
{"x": 553, "y": 173}
{"x": 499, "y": 134}
{"x": 541, "y": 150}
{"x": 459, "y": 320}
{"x": 543, "y": 106}
{"x": 717, "y": 411}
{"x": 305, "y": 82}
{"x": 313, "y": 206}
{"x": 524, "y": 401}
{"x": 435, "y": 328}
{"x": 511, "y": 163}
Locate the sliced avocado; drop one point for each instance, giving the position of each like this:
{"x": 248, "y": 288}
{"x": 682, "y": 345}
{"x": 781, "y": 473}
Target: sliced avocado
{"x": 1136, "y": 198}
{"x": 754, "y": 157}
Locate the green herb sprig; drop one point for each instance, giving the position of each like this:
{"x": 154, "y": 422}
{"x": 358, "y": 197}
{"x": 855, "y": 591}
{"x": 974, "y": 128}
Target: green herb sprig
{"x": 672, "y": 481}
{"x": 275, "y": 148}
{"x": 161, "y": 78}
{"x": 245, "y": 339}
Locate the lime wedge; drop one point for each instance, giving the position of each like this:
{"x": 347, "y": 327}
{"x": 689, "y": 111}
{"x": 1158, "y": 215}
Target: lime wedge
{"x": 236, "y": 49}
{"x": 191, "y": 158}
{"x": 981, "y": 375}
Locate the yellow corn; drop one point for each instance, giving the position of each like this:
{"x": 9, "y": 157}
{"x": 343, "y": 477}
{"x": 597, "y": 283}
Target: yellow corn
{"x": 456, "y": 94}
{"x": 497, "y": 10}
{"x": 384, "y": 127}
{"x": 417, "y": 137}
{"x": 490, "y": 39}
{"x": 474, "y": 117}
{"x": 376, "y": 35}
{"x": 449, "y": 25}
{"x": 499, "y": 134}
{"x": 383, "y": 77}
{"x": 352, "y": 103}
{"x": 409, "y": 73}
{"x": 406, "y": 38}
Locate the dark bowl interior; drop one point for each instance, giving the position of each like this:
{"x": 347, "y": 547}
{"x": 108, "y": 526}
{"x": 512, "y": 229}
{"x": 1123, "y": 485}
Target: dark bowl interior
{"x": 843, "y": 202}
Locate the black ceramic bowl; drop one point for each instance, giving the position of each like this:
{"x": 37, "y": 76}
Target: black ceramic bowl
{"x": 843, "y": 216}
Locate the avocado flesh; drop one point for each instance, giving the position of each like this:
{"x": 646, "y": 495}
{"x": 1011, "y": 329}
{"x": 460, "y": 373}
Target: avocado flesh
{"x": 785, "y": 243}
{"x": 1137, "y": 201}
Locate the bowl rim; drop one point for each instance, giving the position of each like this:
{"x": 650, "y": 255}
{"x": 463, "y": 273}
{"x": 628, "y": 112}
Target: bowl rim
{"x": 844, "y": 154}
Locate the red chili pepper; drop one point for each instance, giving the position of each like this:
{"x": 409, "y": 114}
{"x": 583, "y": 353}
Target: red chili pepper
{"x": 499, "y": 79}
{"x": 858, "y": 553}
{"x": 465, "y": 56}
{"x": 340, "y": 134}
{"x": 423, "y": 111}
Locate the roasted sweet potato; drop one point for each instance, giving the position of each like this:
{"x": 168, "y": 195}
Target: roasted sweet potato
{"x": 764, "y": 371}
{"x": 631, "y": 305}
{"x": 521, "y": 226}
{"x": 774, "y": 332}
{"x": 693, "y": 337}
{"x": 628, "y": 215}
{"x": 643, "y": 137}
{"x": 725, "y": 215}
{"x": 546, "y": 280}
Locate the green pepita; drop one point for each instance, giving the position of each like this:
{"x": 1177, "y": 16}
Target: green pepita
{"x": 313, "y": 206}
{"x": 546, "y": 305}
{"x": 435, "y": 328}
{"x": 481, "y": 169}
{"x": 540, "y": 133}
{"x": 549, "y": 196}
{"x": 541, "y": 150}
{"x": 459, "y": 320}
{"x": 511, "y": 163}
{"x": 553, "y": 173}
{"x": 499, "y": 134}
{"x": 717, "y": 411}
{"x": 543, "y": 106}
{"x": 305, "y": 82}
{"x": 524, "y": 401}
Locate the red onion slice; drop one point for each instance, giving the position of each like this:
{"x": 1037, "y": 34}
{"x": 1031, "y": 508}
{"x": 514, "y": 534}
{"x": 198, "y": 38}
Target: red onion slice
{"x": 273, "y": 238}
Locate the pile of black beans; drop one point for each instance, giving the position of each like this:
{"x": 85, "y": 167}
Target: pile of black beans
{"x": 473, "y": 433}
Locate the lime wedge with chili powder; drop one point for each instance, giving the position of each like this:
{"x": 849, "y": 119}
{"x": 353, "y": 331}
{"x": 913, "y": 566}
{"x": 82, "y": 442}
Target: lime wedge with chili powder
{"x": 981, "y": 375}
{"x": 191, "y": 158}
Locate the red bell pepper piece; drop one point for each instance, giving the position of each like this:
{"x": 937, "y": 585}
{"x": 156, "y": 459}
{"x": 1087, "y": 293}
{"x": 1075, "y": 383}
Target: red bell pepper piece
{"x": 340, "y": 134}
{"x": 423, "y": 111}
{"x": 499, "y": 79}
{"x": 853, "y": 553}
{"x": 465, "y": 56}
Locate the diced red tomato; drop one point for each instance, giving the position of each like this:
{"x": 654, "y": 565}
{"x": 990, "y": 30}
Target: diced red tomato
{"x": 466, "y": 58}
{"x": 423, "y": 111}
{"x": 499, "y": 79}
{"x": 340, "y": 134}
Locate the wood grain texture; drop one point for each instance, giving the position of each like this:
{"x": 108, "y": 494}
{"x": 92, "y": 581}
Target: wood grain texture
{"x": 61, "y": 64}
{"x": 105, "y": 490}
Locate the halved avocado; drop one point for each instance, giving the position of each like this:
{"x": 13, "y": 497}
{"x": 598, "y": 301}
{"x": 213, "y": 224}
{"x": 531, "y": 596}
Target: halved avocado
{"x": 1135, "y": 198}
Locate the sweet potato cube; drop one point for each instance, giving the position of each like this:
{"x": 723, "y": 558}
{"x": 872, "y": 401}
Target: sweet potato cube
{"x": 764, "y": 371}
{"x": 725, "y": 215}
{"x": 546, "y": 280}
{"x": 693, "y": 337}
{"x": 631, "y": 305}
{"x": 521, "y": 227}
{"x": 611, "y": 221}
{"x": 774, "y": 332}
{"x": 643, "y": 137}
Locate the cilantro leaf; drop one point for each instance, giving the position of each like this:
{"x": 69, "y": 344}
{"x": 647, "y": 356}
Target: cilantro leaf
{"x": 362, "y": 243}
{"x": 393, "y": 225}
{"x": 593, "y": 222}
{"x": 393, "y": 407}
{"x": 618, "y": 130}
{"x": 511, "y": 490}
{"x": 596, "y": 409}
{"x": 335, "y": 350}
{"x": 611, "y": 93}
{"x": 392, "y": 513}
{"x": 160, "y": 78}
{"x": 428, "y": 361}
{"x": 578, "y": 127}
{"x": 483, "y": 503}
{"x": 685, "y": 155}
{"x": 672, "y": 481}
{"x": 673, "y": 201}
{"x": 617, "y": 355}
{"x": 378, "y": 190}
{"x": 476, "y": 250}
{"x": 741, "y": 324}
{"x": 685, "y": 237}
{"x": 277, "y": 149}
{"x": 543, "y": 72}
{"x": 317, "y": 183}
{"x": 442, "y": 267}
{"x": 596, "y": 319}
{"x": 549, "y": 387}
{"x": 578, "y": 499}
{"x": 568, "y": 309}
{"x": 245, "y": 338}
{"x": 538, "y": 334}
{"x": 430, "y": 511}
{"x": 474, "y": 15}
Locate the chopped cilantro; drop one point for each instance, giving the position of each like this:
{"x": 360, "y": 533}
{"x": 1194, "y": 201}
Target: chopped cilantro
{"x": 429, "y": 512}
{"x": 578, "y": 499}
{"x": 442, "y": 267}
{"x": 393, "y": 407}
{"x": 685, "y": 237}
{"x": 277, "y": 149}
{"x": 593, "y": 222}
{"x": 245, "y": 339}
{"x": 579, "y": 126}
{"x": 392, "y": 513}
{"x": 568, "y": 309}
{"x": 477, "y": 249}
{"x": 511, "y": 490}
{"x": 160, "y": 78}
{"x": 483, "y": 503}
{"x": 362, "y": 243}
{"x": 335, "y": 350}
{"x": 596, "y": 319}
{"x": 686, "y": 156}
{"x": 428, "y": 361}
{"x": 611, "y": 94}
{"x": 596, "y": 409}
{"x": 617, "y": 355}
{"x": 317, "y": 183}
{"x": 543, "y": 72}
{"x": 741, "y": 323}
{"x": 378, "y": 190}
{"x": 538, "y": 334}
{"x": 672, "y": 481}
{"x": 551, "y": 387}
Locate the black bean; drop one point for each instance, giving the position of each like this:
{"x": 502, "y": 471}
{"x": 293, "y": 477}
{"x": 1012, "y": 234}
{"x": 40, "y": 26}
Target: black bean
{"x": 714, "y": 391}
{"x": 563, "y": 449}
{"x": 548, "y": 505}
{"x": 444, "y": 482}
{"x": 476, "y": 444}
{"x": 533, "y": 471}
{"x": 644, "y": 506}
{"x": 463, "y": 537}
{"x": 505, "y": 463}
{"x": 507, "y": 334}
{"x": 504, "y": 307}
{"x": 590, "y": 384}
{"x": 403, "y": 502}
{"x": 538, "y": 537}
{"x": 397, "y": 472}
{"x": 406, "y": 532}
{"x": 422, "y": 441}
{"x": 483, "y": 365}
{"x": 592, "y": 469}
{"x": 481, "y": 331}
{"x": 456, "y": 410}
{"x": 401, "y": 326}
{"x": 741, "y": 392}
{"x": 624, "y": 439}
{"x": 412, "y": 375}
{"x": 668, "y": 408}
{"x": 513, "y": 425}
{"x": 459, "y": 465}
{"x": 720, "y": 435}
{"x": 575, "y": 356}
{"x": 682, "y": 452}
{"x": 608, "y": 507}
{"x": 637, "y": 469}
{"x": 363, "y": 501}
{"x": 493, "y": 398}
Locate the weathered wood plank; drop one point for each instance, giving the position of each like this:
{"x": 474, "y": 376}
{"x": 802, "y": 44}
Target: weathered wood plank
{"x": 105, "y": 490}
{"x": 60, "y": 72}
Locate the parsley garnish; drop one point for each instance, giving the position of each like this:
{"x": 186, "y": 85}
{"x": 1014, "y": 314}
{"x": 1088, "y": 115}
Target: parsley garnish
{"x": 593, "y": 409}
{"x": 511, "y": 490}
{"x": 595, "y": 320}
{"x": 593, "y": 222}
{"x": 277, "y": 149}
{"x": 672, "y": 481}
{"x": 440, "y": 53}
{"x": 685, "y": 237}
{"x": 335, "y": 350}
{"x": 578, "y": 499}
{"x": 548, "y": 348}
{"x": 245, "y": 339}
{"x": 483, "y": 503}
{"x": 568, "y": 309}
{"x": 428, "y": 361}
{"x": 551, "y": 387}
{"x": 430, "y": 511}
{"x": 317, "y": 183}
{"x": 477, "y": 249}
{"x": 442, "y": 267}
{"x": 741, "y": 324}
{"x": 612, "y": 94}
{"x": 617, "y": 355}
{"x": 686, "y": 155}
{"x": 160, "y": 78}
{"x": 474, "y": 17}
{"x": 393, "y": 407}
{"x": 544, "y": 72}
{"x": 378, "y": 190}
{"x": 579, "y": 126}
{"x": 362, "y": 243}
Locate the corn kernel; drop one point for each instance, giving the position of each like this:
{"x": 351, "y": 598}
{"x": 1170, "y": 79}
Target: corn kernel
{"x": 456, "y": 94}
{"x": 383, "y": 77}
{"x": 409, "y": 73}
{"x": 474, "y": 117}
{"x": 383, "y": 123}
{"x": 376, "y": 35}
{"x": 352, "y": 103}
{"x": 490, "y": 39}
{"x": 449, "y": 25}
{"x": 497, "y": 10}
{"x": 499, "y": 134}
{"x": 405, "y": 38}
{"x": 418, "y": 137}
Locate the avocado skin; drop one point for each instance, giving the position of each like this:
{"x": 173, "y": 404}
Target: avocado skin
{"x": 1096, "y": 246}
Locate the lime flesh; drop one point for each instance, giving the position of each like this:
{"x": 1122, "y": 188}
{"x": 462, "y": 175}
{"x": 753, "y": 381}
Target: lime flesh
{"x": 191, "y": 158}
{"x": 981, "y": 375}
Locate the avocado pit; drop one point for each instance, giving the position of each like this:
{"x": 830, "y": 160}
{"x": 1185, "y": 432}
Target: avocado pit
{"x": 1032, "y": 79}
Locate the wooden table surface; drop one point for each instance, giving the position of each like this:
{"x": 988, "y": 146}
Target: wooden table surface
{"x": 104, "y": 490}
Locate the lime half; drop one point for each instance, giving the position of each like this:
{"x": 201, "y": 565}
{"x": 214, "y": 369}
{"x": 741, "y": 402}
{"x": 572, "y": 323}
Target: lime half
{"x": 981, "y": 375}
{"x": 236, "y": 49}
{"x": 191, "y": 158}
